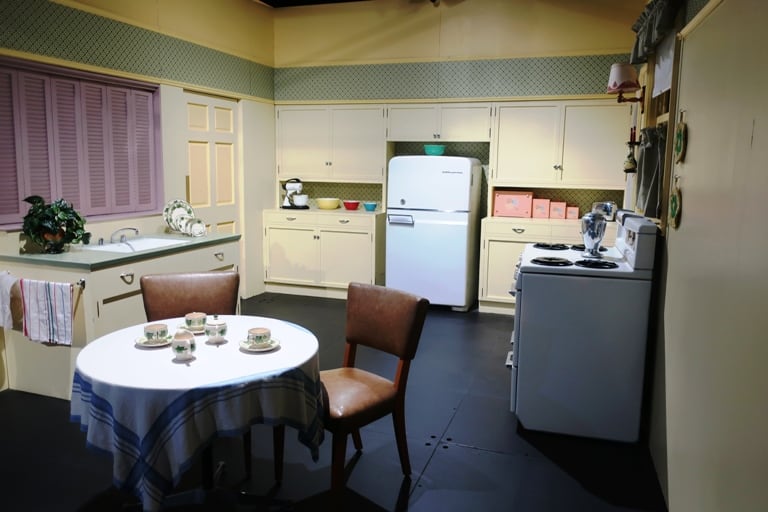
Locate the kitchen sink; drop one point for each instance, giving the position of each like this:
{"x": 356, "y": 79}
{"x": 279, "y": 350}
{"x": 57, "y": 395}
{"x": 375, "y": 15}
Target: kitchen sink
{"x": 135, "y": 245}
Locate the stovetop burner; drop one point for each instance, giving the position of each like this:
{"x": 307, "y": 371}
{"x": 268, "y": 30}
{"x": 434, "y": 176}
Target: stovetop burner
{"x": 582, "y": 247}
{"x": 549, "y": 261}
{"x": 550, "y": 247}
{"x": 601, "y": 264}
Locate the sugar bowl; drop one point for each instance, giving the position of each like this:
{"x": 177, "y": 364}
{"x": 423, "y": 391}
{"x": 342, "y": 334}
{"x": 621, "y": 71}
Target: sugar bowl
{"x": 216, "y": 329}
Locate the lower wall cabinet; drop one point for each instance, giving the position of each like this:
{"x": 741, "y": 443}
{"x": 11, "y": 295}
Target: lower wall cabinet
{"x": 502, "y": 242}
{"x": 323, "y": 249}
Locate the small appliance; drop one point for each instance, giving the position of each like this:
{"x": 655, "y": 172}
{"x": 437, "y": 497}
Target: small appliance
{"x": 592, "y": 231}
{"x": 292, "y": 187}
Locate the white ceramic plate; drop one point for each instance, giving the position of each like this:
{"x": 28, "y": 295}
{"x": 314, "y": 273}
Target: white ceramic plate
{"x": 273, "y": 344}
{"x": 175, "y": 210}
{"x": 144, "y": 342}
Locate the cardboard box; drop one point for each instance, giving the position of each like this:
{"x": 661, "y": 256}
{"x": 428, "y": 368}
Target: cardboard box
{"x": 571, "y": 212}
{"x": 512, "y": 203}
{"x": 541, "y": 208}
{"x": 556, "y": 210}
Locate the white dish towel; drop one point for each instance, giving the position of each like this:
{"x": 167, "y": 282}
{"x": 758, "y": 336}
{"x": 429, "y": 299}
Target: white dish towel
{"x": 47, "y": 311}
{"x": 6, "y": 282}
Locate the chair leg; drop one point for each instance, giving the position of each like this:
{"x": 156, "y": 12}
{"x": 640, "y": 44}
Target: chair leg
{"x": 357, "y": 439}
{"x": 278, "y": 446}
{"x": 247, "y": 456}
{"x": 338, "y": 458}
{"x": 398, "y": 420}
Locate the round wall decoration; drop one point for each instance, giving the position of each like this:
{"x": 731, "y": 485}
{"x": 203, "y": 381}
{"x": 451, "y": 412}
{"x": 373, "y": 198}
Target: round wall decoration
{"x": 681, "y": 139}
{"x": 675, "y": 205}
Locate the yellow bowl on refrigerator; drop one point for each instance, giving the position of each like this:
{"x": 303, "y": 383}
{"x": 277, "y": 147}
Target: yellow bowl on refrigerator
{"x": 327, "y": 203}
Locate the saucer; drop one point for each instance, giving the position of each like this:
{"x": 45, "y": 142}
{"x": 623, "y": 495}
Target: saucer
{"x": 196, "y": 332}
{"x": 261, "y": 347}
{"x": 162, "y": 342}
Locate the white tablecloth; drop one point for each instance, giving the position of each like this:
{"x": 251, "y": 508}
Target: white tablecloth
{"x": 154, "y": 414}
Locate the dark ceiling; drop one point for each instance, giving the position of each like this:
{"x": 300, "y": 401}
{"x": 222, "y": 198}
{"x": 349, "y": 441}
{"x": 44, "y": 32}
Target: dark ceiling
{"x": 296, "y": 3}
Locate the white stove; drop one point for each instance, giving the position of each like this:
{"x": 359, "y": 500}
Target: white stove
{"x": 579, "y": 341}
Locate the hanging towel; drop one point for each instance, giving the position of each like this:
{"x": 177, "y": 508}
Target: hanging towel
{"x": 6, "y": 282}
{"x": 47, "y": 311}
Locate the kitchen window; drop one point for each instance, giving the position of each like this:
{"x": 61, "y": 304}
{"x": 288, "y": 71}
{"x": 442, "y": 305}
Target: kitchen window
{"x": 89, "y": 139}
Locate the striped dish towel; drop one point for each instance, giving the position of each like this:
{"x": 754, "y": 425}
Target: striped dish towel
{"x": 47, "y": 311}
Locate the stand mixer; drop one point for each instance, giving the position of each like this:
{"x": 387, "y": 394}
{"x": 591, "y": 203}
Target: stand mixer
{"x": 592, "y": 231}
{"x": 292, "y": 187}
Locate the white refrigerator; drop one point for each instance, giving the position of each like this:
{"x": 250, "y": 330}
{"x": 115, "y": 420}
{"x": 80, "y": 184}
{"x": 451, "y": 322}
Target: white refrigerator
{"x": 433, "y": 230}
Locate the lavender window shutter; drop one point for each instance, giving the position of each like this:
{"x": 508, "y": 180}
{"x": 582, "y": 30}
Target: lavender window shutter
{"x": 94, "y": 133}
{"x": 65, "y": 103}
{"x": 120, "y": 157}
{"x": 36, "y": 133}
{"x": 11, "y": 209}
{"x": 144, "y": 145}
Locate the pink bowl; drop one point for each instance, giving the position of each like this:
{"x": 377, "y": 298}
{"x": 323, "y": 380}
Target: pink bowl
{"x": 351, "y": 205}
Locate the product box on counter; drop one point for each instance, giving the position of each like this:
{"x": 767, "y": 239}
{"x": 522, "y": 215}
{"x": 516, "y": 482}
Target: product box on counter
{"x": 571, "y": 212}
{"x": 512, "y": 203}
{"x": 556, "y": 210}
{"x": 541, "y": 208}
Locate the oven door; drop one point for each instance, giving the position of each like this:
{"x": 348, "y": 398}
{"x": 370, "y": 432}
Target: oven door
{"x": 514, "y": 354}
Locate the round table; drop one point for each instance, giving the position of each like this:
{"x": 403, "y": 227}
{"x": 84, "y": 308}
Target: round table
{"x": 154, "y": 413}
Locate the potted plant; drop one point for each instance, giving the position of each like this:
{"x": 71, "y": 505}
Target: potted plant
{"x": 54, "y": 225}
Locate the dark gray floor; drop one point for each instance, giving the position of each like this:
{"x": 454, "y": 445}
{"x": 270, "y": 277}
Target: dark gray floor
{"x": 467, "y": 451}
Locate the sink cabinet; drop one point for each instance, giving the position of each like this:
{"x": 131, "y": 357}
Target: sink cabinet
{"x": 311, "y": 249}
{"x": 109, "y": 299}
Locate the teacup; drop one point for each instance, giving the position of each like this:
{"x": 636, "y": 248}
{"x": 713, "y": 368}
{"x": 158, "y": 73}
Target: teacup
{"x": 155, "y": 332}
{"x": 259, "y": 336}
{"x": 183, "y": 345}
{"x": 215, "y": 329}
{"x": 195, "y": 321}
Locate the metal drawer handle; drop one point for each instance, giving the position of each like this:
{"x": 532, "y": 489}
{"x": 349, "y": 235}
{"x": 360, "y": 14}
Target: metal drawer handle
{"x": 518, "y": 230}
{"x": 343, "y": 221}
{"x": 219, "y": 255}
{"x": 127, "y": 277}
{"x": 290, "y": 218}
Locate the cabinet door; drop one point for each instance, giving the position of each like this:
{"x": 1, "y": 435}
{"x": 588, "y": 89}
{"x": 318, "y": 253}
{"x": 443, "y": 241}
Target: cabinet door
{"x": 595, "y": 145}
{"x": 465, "y": 122}
{"x": 303, "y": 141}
{"x": 500, "y": 259}
{"x": 292, "y": 255}
{"x": 345, "y": 256}
{"x": 412, "y": 123}
{"x": 526, "y": 144}
{"x": 358, "y": 151}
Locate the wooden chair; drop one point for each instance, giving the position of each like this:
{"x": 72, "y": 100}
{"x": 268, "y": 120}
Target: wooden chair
{"x": 384, "y": 319}
{"x": 174, "y": 295}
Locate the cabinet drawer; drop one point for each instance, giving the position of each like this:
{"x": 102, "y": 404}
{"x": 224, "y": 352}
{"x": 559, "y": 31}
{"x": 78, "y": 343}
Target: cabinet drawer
{"x": 351, "y": 220}
{"x": 519, "y": 230}
{"x": 289, "y": 217}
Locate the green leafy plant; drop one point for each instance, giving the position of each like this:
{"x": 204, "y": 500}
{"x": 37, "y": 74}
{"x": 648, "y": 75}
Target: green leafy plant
{"x": 53, "y": 225}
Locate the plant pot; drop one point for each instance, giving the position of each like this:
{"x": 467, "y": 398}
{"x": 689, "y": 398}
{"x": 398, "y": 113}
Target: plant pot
{"x": 53, "y": 243}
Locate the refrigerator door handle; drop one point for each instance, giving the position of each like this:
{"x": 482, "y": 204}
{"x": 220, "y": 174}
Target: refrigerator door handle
{"x": 394, "y": 218}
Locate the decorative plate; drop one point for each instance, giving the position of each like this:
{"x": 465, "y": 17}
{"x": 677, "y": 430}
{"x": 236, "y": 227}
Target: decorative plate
{"x": 262, "y": 347}
{"x": 681, "y": 140}
{"x": 175, "y": 210}
{"x": 162, "y": 342}
{"x": 675, "y": 206}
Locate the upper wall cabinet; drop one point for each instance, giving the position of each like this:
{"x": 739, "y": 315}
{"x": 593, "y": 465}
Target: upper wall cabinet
{"x": 331, "y": 143}
{"x": 458, "y": 122}
{"x": 575, "y": 144}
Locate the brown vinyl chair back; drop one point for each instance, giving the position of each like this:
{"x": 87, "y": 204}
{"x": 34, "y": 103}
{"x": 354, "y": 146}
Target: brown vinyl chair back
{"x": 175, "y": 294}
{"x": 381, "y": 318}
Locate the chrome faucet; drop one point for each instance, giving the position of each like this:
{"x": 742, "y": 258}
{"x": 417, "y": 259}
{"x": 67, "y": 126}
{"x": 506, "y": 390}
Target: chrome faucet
{"x": 123, "y": 238}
